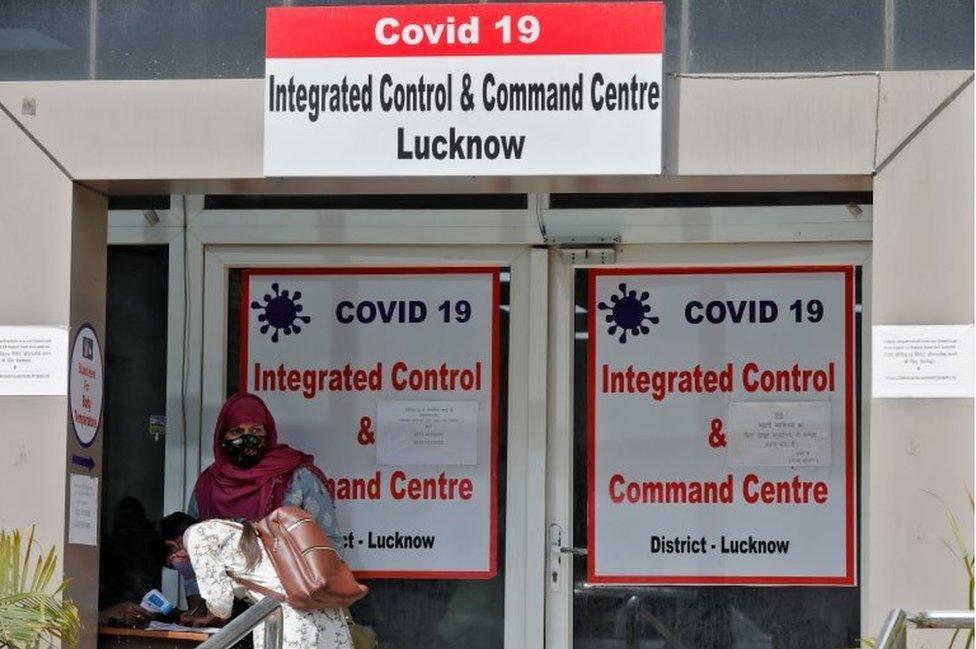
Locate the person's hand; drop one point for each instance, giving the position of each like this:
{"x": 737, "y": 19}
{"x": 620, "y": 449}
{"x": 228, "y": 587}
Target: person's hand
{"x": 129, "y": 613}
{"x": 204, "y": 619}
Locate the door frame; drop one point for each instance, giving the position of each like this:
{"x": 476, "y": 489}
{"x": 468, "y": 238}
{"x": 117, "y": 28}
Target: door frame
{"x": 205, "y": 243}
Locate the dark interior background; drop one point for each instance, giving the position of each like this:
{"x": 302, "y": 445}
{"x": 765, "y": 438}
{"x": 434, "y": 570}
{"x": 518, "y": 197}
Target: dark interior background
{"x": 135, "y": 389}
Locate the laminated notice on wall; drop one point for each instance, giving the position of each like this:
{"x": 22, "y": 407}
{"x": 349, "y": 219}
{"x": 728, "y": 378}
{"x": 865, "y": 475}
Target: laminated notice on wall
{"x": 33, "y": 361}
{"x": 83, "y": 510}
{"x": 922, "y": 361}
{"x": 427, "y": 432}
{"x": 779, "y": 433}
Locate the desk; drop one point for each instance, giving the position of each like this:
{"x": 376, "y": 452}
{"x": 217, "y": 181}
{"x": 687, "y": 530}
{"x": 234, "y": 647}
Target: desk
{"x": 110, "y": 636}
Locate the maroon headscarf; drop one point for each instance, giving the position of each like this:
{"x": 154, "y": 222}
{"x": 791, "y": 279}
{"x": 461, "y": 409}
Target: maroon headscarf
{"x": 225, "y": 491}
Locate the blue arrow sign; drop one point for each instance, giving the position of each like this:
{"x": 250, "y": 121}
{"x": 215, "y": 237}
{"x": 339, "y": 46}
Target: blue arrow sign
{"x": 81, "y": 460}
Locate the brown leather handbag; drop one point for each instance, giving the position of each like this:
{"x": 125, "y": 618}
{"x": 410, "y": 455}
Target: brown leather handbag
{"x": 312, "y": 572}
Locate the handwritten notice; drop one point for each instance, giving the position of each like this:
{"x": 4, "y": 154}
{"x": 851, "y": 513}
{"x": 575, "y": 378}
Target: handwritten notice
{"x": 83, "y": 510}
{"x": 795, "y": 433}
{"x": 922, "y": 362}
{"x": 33, "y": 361}
{"x": 427, "y": 433}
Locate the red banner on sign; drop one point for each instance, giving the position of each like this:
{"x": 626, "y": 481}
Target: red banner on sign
{"x": 465, "y": 30}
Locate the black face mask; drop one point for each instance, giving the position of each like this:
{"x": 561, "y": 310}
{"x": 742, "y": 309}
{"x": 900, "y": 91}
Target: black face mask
{"x": 245, "y": 451}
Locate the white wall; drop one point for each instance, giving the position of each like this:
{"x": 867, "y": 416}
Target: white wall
{"x": 921, "y": 450}
{"x": 52, "y": 272}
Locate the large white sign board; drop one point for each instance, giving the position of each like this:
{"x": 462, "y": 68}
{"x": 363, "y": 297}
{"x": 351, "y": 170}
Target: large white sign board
{"x": 721, "y": 430}
{"x": 460, "y": 90}
{"x": 388, "y": 377}
{"x": 922, "y": 361}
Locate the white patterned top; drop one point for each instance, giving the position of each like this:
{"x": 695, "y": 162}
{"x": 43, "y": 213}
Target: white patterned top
{"x": 214, "y": 551}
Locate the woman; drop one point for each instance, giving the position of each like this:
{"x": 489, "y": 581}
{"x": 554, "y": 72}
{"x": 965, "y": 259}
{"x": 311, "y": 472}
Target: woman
{"x": 252, "y": 474}
{"x": 219, "y": 548}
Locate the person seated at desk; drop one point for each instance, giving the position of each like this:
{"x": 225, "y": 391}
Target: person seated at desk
{"x": 174, "y": 555}
{"x": 252, "y": 474}
{"x": 169, "y": 552}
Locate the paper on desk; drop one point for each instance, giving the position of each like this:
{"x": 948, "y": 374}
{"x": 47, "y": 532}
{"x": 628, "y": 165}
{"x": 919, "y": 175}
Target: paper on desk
{"x": 166, "y": 626}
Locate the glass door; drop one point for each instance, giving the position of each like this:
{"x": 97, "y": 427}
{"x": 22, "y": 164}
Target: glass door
{"x": 700, "y": 555}
{"x": 410, "y": 604}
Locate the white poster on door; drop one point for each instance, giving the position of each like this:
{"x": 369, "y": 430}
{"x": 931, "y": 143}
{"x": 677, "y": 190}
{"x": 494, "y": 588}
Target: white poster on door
{"x": 792, "y": 433}
{"x": 427, "y": 432}
{"x": 721, "y": 426}
{"x": 388, "y": 376}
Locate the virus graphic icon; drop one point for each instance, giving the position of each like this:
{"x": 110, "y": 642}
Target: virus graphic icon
{"x": 281, "y": 313}
{"x": 628, "y": 313}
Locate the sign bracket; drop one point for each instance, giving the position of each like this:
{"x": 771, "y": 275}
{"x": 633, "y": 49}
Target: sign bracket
{"x": 579, "y": 250}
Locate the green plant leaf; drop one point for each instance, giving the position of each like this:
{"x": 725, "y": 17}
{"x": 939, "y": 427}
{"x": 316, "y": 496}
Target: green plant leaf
{"x": 961, "y": 551}
{"x": 31, "y": 611}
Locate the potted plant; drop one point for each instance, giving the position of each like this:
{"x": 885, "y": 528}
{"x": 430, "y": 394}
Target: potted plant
{"x": 33, "y": 613}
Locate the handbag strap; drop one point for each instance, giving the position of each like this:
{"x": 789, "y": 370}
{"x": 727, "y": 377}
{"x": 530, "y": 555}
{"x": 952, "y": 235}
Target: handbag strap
{"x": 256, "y": 587}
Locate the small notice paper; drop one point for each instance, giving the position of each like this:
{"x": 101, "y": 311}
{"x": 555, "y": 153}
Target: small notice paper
{"x": 795, "y": 433}
{"x": 427, "y": 433}
{"x": 33, "y": 361}
{"x": 922, "y": 362}
{"x": 83, "y": 512}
